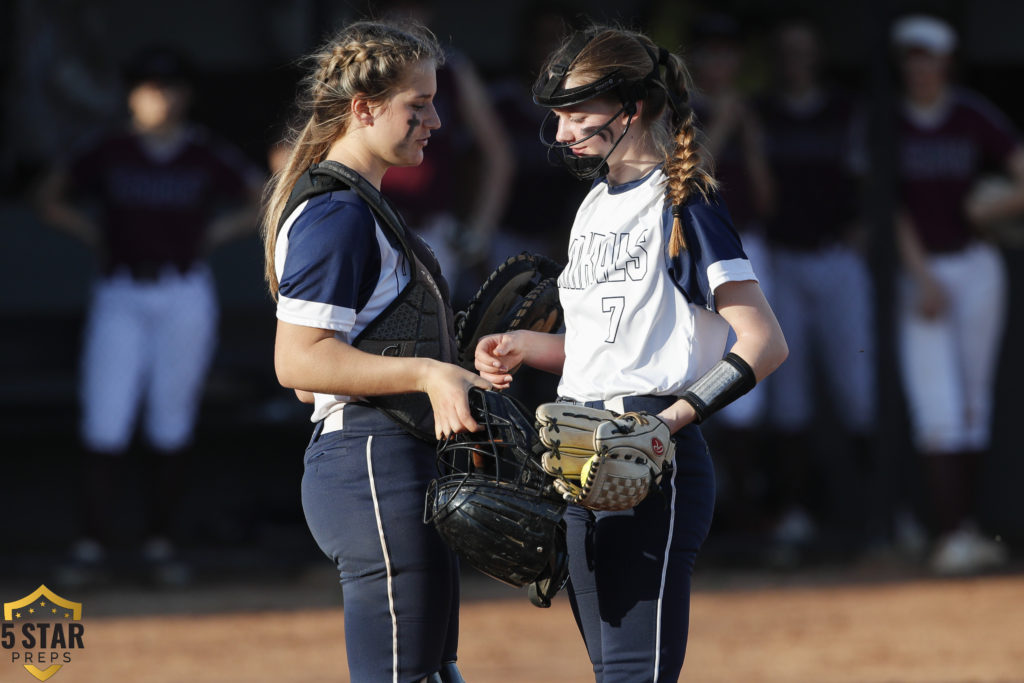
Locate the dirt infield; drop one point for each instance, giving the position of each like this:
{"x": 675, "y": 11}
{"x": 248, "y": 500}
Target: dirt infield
{"x": 898, "y": 631}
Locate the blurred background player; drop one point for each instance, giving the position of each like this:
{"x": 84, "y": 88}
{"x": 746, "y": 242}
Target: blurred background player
{"x": 734, "y": 139}
{"x": 732, "y": 131}
{"x": 545, "y": 196}
{"x": 540, "y": 186}
{"x": 152, "y": 199}
{"x": 952, "y": 302}
{"x": 456, "y": 197}
{"x": 64, "y": 84}
{"x": 821, "y": 288}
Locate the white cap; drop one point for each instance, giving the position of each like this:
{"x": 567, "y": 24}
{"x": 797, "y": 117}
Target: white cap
{"x": 925, "y": 32}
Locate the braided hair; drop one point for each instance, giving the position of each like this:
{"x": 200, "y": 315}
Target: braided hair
{"x": 366, "y": 58}
{"x": 688, "y": 164}
{"x": 667, "y": 121}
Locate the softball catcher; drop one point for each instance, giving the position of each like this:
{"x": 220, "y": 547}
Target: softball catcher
{"x": 365, "y": 325}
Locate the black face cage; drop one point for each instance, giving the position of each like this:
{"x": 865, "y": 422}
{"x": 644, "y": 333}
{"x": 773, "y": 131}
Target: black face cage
{"x": 549, "y": 92}
{"x": 493, "y": 503}
{"x": 506, "y": 453}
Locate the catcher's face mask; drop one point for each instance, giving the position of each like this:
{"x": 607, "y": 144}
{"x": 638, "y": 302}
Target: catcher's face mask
{"x": 494, "y": 504}
{"x": 550, "y": 91}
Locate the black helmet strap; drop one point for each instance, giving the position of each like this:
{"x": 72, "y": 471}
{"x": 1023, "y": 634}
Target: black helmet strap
{"x": 547, "y": 94}
{"x": 588, "y": 167}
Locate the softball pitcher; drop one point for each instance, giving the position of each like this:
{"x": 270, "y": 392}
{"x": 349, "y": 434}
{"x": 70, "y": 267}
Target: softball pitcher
{"x": 656, "y": 277}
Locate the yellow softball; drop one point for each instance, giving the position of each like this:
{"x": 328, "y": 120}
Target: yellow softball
{"x": 585, "y": 472}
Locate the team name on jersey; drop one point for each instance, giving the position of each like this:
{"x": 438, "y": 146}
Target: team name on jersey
{"x": 928, "y": 158}
{"x": 597, "y": 258}
{"x": 141, "y": 186}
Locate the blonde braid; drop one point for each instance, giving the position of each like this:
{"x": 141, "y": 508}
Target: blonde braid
{"x": 687, "y": 164}
{"x": 686, "y": 174}
{"x": 366, "y": 59}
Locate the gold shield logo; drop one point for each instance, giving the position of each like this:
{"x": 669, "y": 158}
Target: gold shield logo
{"x": 41, "y": 631}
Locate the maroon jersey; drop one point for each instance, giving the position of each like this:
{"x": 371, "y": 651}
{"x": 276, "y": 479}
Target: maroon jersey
{"x": 155, "y": 209}
{"x": 809, "y": 155}
{"x": 938, "y": 164}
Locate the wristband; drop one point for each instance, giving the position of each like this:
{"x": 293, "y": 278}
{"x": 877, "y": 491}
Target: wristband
{"x": 725, "y": 382}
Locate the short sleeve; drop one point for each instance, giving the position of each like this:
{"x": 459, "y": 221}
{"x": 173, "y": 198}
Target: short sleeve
{"x": 332, "y": 264}
{"x": 713, "y": 254}
{"x": 231, "y": 173}
{"x": 994, "y": 132}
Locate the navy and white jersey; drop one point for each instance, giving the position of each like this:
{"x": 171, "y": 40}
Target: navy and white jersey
{"x": 639, "y": 322}
{"x": 337, "y": 271}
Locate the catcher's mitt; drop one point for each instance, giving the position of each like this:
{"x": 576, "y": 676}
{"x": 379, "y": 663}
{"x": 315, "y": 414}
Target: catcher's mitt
{"x": 521, "y": 294}
{"x": 603, "y": 460}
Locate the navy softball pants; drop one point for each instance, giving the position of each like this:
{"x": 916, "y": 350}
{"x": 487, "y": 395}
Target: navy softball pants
{"x": 362, "y": 492}
{"x": 630, "y": 571}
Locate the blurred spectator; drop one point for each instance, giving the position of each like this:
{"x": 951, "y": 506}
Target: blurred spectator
{"x": 821, "y": 288}
{"x": 734, "y": 140}
{"x": 952, "y": 300}
{"x": 64, "y": 84}
{"x": 545, "y": 197}
{"x": 456, "y": 197}
{"x": 152, "y": 199}
{"x": 733, "y": 134}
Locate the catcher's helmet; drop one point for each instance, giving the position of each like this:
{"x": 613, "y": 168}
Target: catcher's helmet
{"x": 494, "y": 505}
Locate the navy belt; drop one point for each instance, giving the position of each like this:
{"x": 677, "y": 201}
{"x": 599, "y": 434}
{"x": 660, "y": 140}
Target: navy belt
{"x": 645, "y": 403}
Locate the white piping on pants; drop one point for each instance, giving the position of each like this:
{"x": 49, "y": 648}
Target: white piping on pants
{"x": 387, "y": 563}
{"x": 664, "y": 572}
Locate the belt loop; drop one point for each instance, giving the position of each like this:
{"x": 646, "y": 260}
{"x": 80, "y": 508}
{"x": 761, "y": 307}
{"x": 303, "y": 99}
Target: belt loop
{"x": 317, "y": 431}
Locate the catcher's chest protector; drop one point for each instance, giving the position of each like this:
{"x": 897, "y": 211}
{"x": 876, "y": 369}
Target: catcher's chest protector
{"x": 419, "y": 322}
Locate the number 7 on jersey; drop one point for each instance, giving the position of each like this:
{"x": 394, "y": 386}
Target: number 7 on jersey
{"x": 613, "y": 305}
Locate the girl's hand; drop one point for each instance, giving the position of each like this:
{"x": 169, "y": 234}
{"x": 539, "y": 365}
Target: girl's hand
{"x": 498, "y": 356}
{"x": 677, "y": 415}
{"x": 932, "y": 300}
{"x": 447, "y": 386}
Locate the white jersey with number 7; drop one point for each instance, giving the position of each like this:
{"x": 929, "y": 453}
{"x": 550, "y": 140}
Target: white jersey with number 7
{"x": 639, "y": 322}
